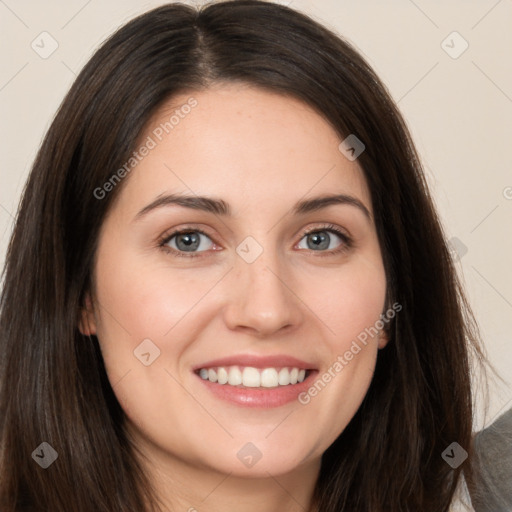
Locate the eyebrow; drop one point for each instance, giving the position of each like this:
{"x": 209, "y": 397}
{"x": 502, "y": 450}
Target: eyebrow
{"x": 220, "y": 207}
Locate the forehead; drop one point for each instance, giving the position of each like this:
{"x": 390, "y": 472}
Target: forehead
{"x": 251, "y": 147}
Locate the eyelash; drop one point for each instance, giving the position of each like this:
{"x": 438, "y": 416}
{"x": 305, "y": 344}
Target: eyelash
{"x": 347, "y": 241}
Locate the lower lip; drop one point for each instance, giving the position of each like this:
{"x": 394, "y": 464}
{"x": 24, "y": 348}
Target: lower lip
{"x": 259, "y": 397}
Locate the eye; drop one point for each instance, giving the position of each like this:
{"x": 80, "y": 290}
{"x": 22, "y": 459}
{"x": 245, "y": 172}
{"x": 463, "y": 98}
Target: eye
{"x": 187, "y": 241}
{"x": 193, "y": 242}
{"x": 320, "y": 239}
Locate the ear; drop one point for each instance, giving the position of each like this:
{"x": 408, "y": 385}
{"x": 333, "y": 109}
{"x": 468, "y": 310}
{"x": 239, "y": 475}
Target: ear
{"x": 87, "y": 322}
{"x": 383, "y": 339}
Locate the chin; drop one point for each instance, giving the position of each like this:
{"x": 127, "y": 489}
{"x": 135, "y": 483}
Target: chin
{"x": 259, "y": 459}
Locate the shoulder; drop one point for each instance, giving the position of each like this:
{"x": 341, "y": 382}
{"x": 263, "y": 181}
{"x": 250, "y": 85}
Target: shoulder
{"x": 493, "y": 458}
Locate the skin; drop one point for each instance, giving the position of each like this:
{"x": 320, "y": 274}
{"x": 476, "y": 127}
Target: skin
{"x": 260, "y": 152}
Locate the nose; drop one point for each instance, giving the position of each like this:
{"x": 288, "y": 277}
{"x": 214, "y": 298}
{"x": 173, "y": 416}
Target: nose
{"x": 262, "y": 300}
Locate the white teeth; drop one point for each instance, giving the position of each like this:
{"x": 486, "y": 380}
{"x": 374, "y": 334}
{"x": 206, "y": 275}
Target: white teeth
{"x": 234, "y": 377}
{"x": 284, "y": 377}
{"x": 222, "y": 376}
{"x": 269, "y": 378}
{"x": 253, "y": 377}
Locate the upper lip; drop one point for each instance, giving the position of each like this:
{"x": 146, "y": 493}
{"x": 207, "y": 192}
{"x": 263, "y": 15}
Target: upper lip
{"x": 276, "y": 361}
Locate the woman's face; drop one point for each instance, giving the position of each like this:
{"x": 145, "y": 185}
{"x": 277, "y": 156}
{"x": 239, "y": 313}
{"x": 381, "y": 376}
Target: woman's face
{"x": 245, "y": 295}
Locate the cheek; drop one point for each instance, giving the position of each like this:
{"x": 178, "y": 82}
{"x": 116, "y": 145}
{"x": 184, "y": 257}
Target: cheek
{"x": 350, "y": 301}
{"x": 136, "y": 304}
{"x": 138, "y": 301}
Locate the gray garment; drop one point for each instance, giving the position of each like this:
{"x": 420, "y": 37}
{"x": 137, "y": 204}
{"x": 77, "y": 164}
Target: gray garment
{"x": 493, "y": 457}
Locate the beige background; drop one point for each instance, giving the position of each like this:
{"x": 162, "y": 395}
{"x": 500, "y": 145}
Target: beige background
{"x": 458, "y": 109}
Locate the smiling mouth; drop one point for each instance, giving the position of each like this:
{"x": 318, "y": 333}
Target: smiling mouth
{"x": 250, "y": 377}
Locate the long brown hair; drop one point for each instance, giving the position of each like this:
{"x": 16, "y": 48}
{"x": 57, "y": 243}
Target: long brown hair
{"x": 54, "y": 386}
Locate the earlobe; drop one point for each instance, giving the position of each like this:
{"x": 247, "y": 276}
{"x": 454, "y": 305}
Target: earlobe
{"x": 383, "y": 339}
{"x": 87, "y": 321}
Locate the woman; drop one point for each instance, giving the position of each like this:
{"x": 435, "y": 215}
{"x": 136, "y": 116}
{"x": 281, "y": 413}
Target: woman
{"x": 228, "y": 288}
